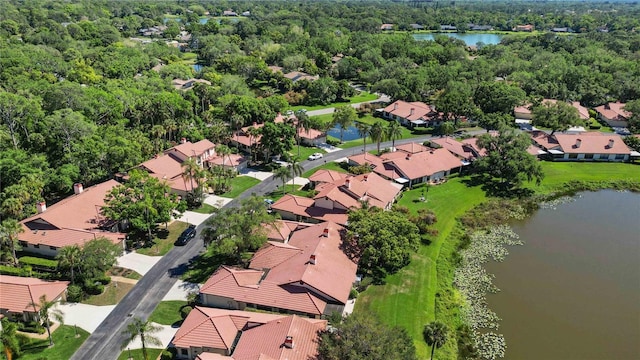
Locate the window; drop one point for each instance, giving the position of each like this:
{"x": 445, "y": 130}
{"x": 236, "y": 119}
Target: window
{"x": 573, "y": 156}
{"x": 23, "y": 243}
{"x": 588, "y": 156}
{"x": 36, "y": 246}
{"x": 604, "y": 156}
{"x": 619, "y": 156}
{"x": 184, "y": 352}
{"x": 53, "y": 248}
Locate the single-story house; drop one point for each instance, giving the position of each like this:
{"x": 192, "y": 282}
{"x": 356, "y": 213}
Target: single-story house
{"x": 281, "y": 230}
{"x": 614, "y": 114}
{"x": 464, "y": 150}
{"x": 210, "y": 333}
{"x": 416, "y": 26}
{"x": 413, "y": 114}
{"x": 181, "y": 84}
{"x": 326, "y": 176}
{"x": 18, "y": 294}
{"x": 527, "y": 27}
{"x": 386, "y": 27}
{"x": 525, "y": 112}
{"x": 334, "y": 199}
{"x": 243, "y": 140}
{"x": 448, "y": 28}
{"x": 411, "y": 164}
{"x": 310, "y": 275}
{"x": 588, "y": 146}
{"x": 71, "y": 221}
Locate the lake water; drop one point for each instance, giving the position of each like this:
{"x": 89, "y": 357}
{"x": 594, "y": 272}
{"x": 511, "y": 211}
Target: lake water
{"x": 349, "y": 134}
{"x": 573, "y": 290}
{"x": 471, "y": 39}
{"x": 197, "y": 67}
{"x": 202, "y": 20}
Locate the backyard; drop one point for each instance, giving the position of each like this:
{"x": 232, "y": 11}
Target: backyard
{"x": 408, "y": 298}
{"x": 165, "y": 237}
{"x": 358, "y": 98}
{"x": 65, "y": 344}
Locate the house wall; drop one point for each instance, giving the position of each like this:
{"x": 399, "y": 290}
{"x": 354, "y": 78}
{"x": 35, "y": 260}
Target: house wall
{"x": 314, "y": 142}
{"x": 285, "y": 215}
{"x": 221, "y": 302}
{"x": 594, "y": 157}
{"x": 194, "y": 351}
{"x": 522, "y": 115}
{"x": 615, "y": 123}
{"x": 44, "y": 250}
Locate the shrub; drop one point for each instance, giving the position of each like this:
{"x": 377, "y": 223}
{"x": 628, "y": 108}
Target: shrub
{"x": 92, "y": 287}
{"x": 353, "y": 294}
{"x": 10, "y": 270}
{"x": 104, "y": 280}
{"x": 74, "y": 293}
{"x": 184, "y": 311}
{"x": 333, "y": 142}
{"x": 364, "y": 284}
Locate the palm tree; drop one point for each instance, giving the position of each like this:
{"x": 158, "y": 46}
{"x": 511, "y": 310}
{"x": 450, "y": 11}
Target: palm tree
{"x": 158, "y": 131}
{"x": 254, "y": 133}
{"x": 302, "y": 123}
{"x": 296, "y": 169}
{"x": 12, "y": 207}
{"x": 364, "y": 130}
{"x": 236, "y": 123}
{"x": 222, "y": 151}
{"x": 282, "y": 173}
{"x": 393, "y": 132}
{"x": 8, "y": 338}
{"x": 377, "y": 131}
{"x": 189, "y": 168}
{"x": 144, "y": 329}
{"x": 47, "y": 310}
{"x": 344, "y": 116}
{"x": 69, "y": 257}
{"x": 435, "y": 334}
{"x": 9, "y": 230}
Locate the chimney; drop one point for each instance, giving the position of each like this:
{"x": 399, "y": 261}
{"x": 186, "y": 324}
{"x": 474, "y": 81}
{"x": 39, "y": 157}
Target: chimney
{"x": 183, "y": 141}
{"x": 325, "y": 233}
{"x": 348, "y": 183}
{"x": 412, "y": 111}
{"x": 366, "y": 176}
{"x": 578, "y": 142}
{"x": 41, "y": 207}
{"x": 408, "y": 156}
{"x": 607, "y": 106}
{"x": 288, "y": 342}
{"x": 77, "y": 188}
{"x": 312, "y": 259}
{"x": 395, "y": 106}
{"x": 610, "y": 144}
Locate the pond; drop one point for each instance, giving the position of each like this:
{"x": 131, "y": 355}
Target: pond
{"x": 470, "y": 39}
{"x": 197, "y": 67}
{"x": 349, "y": 134}
{"x": 573, "y": 290}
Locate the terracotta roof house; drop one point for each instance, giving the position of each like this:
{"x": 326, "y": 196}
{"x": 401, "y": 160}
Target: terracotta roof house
{"x": 310, "y": 137}
{"x": 409, "y": 168}
{"x": 299, "y": 75}
{"x": 464, "y": 151}
{"x": 386, "y": 27}
{"x": 281, "y": 230}
{"x": 588, "y": 146}
{"x": 525, "y": 111}
{"x": 310, "y": 275}
{"x": 229, "y": 13}
{"x": 413, "y": 114}
{"x": 448, "y": 28}
{"x": 210, "y": 333}
{"x": 527, "y": 27}
{"x": 326, "y": 176}
{"x": 71, "y": 221}
{"x": 334, "y": 199}
{"x": 18, "y": 293}
{"x": 169, "y": 166}
{"x": 614, "y": 114}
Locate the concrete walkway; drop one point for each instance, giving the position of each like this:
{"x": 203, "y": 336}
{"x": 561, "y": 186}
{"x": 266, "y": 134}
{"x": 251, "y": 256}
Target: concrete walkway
{"x": 140, "y": 263}
{"x": 260, "y": 175}
{"x": 298, "y": 181}
{"x": 348, "y": 307}
{"x": 180, "y": 290}
{"x": 165, "y": 335}
{"x": 193, "y": 217}
{"x": 216, "y": 201}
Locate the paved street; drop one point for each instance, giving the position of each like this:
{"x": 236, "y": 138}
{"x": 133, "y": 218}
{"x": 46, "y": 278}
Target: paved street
{"x": 105, "y": 342}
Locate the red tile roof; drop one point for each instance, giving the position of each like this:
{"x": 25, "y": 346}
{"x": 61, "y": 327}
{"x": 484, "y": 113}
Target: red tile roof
{"x": 231, "y": 160}
{"x": 333, "y": 272}
{"x": 590, "y": 143}
{"x": 351, "y": 190}
{"x": 282, "y": 275}
{"x": 613, "y": 111}
{"x": 18, "y": 292}
{"x": 412, "y": 148}
{"x": 543, "y": 139}
{"x": 412, "y": 111}
{"x": 473, "y": 142}
{"x": 189, "y": 149}
{"x": 326, "y": 176}
{"x": 164, "y": 167}
{"x": 73, "y": 220}
{"x": 303, "y": 206}
{"x": 582, "y": 111}
{"x": 460, "y": 149}
{"x": 281, "y": 230}
{"x": 268, "y": 340}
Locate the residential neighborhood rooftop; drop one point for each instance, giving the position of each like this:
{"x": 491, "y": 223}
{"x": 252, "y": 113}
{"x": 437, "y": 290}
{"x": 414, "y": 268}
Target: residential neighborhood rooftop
{"x": 18, "y": 293}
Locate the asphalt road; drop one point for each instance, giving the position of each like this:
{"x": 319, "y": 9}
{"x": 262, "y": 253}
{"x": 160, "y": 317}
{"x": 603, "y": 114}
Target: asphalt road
{"x": 105, "y": 343}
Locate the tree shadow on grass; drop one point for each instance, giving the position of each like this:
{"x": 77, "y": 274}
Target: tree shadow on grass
{"x": 495, "y": 188}
{"x": 201, "y": 267}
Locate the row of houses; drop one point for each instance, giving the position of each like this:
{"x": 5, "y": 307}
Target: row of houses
{"x": 414, "y": 114}
{"x": 612, "y": 113}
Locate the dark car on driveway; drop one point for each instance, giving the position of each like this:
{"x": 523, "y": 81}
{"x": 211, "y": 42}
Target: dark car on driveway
{"x": 188, "y": 234}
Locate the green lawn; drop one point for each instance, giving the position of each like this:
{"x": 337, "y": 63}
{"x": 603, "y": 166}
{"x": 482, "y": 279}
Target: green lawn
{"x": 358, "y": 98}
{"x": 239, "y": 184}
{"x": 112, "y": 294}
{"x": 205, "y": 209}
{"x": 65, "y": 344}
{"x": 137, "y": 354}
{"x": 164, "y": 239}
{"x": 167, "y": 312}
{"x": 305, "y": 151}
{"x": 408, "y": 299}
{"x": 290, "y": 189}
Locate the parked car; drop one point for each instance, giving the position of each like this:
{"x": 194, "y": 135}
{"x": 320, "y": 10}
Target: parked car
{"x": 315, "y": 156}
{"x": 188, "y": 234}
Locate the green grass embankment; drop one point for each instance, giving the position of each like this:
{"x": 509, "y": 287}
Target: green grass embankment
{"x": 423, "y": 291}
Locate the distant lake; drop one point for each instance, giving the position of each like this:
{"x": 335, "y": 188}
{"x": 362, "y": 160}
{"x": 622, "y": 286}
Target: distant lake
{"x": 203, "y": 20}
{"x": 197, "y": 67}
{"x": 572, "y": 292}
{"x": 471, "y": 39}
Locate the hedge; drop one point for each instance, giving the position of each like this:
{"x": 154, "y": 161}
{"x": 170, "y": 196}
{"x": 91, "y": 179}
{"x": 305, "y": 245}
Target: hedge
{"x": 10, "y": 270}
{"x": 39, "y": 262}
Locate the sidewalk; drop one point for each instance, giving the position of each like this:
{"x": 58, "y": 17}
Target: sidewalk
{"x": 140, "y": 263}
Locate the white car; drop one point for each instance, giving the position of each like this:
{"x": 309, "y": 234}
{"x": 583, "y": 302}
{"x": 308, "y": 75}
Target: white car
{"x": 315, "y": 156}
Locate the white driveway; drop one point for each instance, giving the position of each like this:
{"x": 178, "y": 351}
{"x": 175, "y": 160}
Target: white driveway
{"x": 180, "y": 290}
{"x": 216, "y": 201}
{"x": 260, "y": 175}
{"x": 193, "y": 217}
{"x": 87, "y": 317}
{"x": 140, "y": 263}
{"x": 298, "y": 181}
